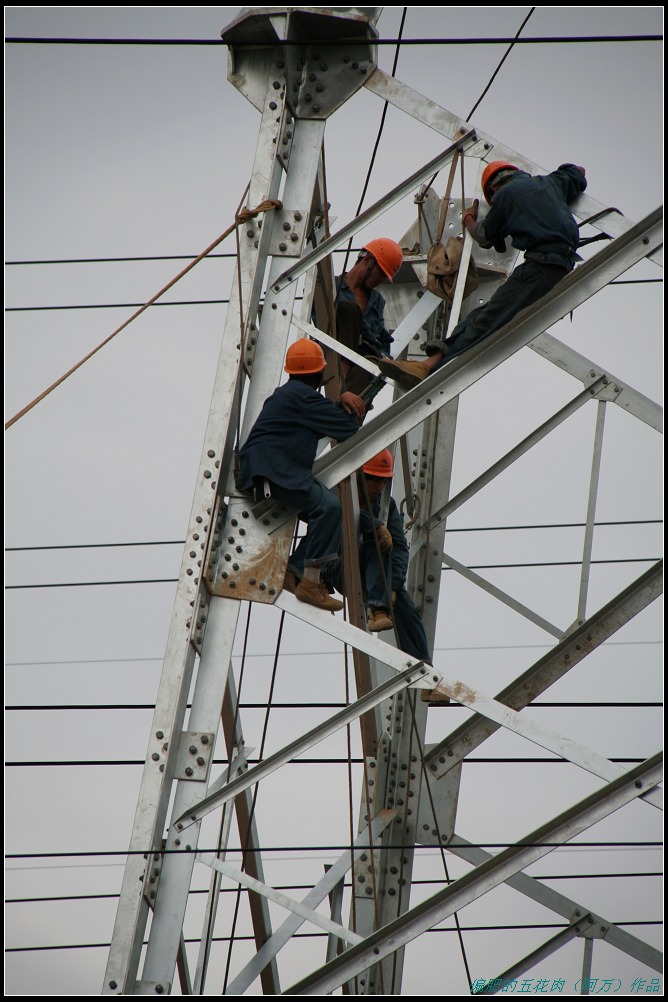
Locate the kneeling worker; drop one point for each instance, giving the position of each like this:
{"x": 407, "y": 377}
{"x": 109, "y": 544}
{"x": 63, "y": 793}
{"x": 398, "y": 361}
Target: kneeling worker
{"x": 281, "y": 450}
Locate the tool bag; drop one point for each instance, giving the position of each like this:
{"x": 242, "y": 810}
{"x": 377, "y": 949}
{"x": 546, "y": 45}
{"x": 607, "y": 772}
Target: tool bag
{"x": 443, "y": 260}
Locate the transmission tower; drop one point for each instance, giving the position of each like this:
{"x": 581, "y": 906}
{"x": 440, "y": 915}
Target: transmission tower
{"x": 297, "y": 66}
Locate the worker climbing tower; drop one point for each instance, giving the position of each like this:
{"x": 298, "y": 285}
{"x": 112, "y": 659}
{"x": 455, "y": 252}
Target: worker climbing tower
{"x": 296, "y": 66}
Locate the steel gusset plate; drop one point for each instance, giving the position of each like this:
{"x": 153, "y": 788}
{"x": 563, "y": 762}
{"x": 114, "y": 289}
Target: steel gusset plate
{"x": 308, "y": 45}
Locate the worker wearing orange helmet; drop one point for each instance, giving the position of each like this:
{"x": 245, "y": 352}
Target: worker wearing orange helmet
{"x": 276, "y": 461}
{"x": 360, "y": 308}
{"x": 533, "y": 212}
{"x": 383, "y": 557}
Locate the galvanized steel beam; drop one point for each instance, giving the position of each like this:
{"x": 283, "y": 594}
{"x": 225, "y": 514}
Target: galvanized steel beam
{"x": 630, "y": 400}
{"x": 463, "y": 371}
{"x": 448, "y": 124}
{"x": 297, "y": 907}
{"x": 533, "y": 888}
{"x": 490, "y": 874}
{"x": 289, "y": 927}
{"x": 550, "y": 668}
{"x": 567, "y": 935}
{"x": 296, "y": 270}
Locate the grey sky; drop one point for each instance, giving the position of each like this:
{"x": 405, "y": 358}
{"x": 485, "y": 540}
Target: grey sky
{"x": 121, "y": 151}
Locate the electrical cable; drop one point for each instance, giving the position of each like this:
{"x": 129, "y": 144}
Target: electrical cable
{"x": 558, "y": 846}
{"x": 241, "y": 217}
{"x": 488, "y": 528}
{"x": 298, "y": 706}
{"x": 144, "y": 257}
{"x": 300, "y": 654}
{"x": 348, "y": 886}
{"x": 114, "y": 306}
{"x": 472, "y": 567}
{"x": 538, "y": 40}
{"x": 496, "y": 760}
{"x": 322, "y": 935}
{"x": 189, "y": 257}
{"x": 255, "y": 796}
{"x": 374, "y": 151}
{"x": 513, "y": 42}
{"x": 494, "y": 74}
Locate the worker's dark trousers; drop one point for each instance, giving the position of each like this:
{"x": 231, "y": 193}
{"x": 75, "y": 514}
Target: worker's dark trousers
{"x": 527, "y": 284}
{"x": 349, "y": 332}
{"x": 411, "y": 637}
{"x": 320, "y": 508}
{"x": 410, "y": 634}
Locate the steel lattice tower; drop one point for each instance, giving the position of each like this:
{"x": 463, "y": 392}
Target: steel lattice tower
{"x": 297, "y": 66}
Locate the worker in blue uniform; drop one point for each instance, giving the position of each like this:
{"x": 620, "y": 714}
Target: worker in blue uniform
{"x": 360, "y": 308}
{"x": 534, "y": 213}
{"x": 277, "y": 460}
{"x": 383, "y": 559}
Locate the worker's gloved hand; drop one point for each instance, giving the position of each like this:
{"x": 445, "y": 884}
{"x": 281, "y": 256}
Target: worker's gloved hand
{"x": 353, "y": 404}
{"x": 472, "y": 211}
{"x": 384, "y": 538}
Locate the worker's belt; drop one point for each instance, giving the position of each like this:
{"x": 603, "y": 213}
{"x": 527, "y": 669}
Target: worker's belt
{"x": 557, "y": 254}
{"x": 564, "y": 249}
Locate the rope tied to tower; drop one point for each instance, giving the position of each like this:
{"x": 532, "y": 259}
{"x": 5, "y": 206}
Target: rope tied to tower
{"x": 242, "y": 216}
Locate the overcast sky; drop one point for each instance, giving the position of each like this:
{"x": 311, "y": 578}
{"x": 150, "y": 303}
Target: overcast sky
{"x": 130, "y": 151}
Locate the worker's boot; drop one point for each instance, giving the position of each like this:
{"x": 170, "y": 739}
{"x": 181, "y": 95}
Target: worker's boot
{"x": 408, "y": 374}
{"x": 290, "y": 582}
{"x": 315, "y": 593}
{"x": 435, "y": 347}
{"x": 379, "y": 620}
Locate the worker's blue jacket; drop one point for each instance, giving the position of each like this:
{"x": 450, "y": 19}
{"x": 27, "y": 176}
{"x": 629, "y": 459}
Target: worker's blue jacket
{"x": 534, "y": 213}
{"x": 374, "y": 331}
{"x": 283, "y": 441}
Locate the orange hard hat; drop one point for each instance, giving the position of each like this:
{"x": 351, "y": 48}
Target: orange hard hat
{"x": 388, "y": 255}
{"x": 304, "y": 357}
{"x": 490, "y": 172}
{"x": 381, "y": 465}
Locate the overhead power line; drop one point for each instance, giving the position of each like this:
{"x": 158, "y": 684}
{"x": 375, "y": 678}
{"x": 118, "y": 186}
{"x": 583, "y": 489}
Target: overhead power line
{"x": 308, "y": 887}
{"x": 538, "y": 40}
{"x": 188, "y": 257}
{"x": 482, "y": 528}
{"x": 31, "y": 707}
{"x": 203, "y": 302}
{"x": 420, "y": 846}
{"x": 472, "y": 567}
{"x": 321, "y": 653}
{"x": 143, "y": 257}
{"x": 505, "y": 56}
{"x": 95, "y": 763}
{"x": 320, "y": 935}
{"x": 114, "y": 306}
{"x": 242, "y": 215}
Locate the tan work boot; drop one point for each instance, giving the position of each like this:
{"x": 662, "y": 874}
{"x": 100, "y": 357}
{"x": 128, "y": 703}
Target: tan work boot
{"x": 290, "y": 582}
{"x": 408, "y": 374}
{"x": 379, "y": 620}
{"x": 315, "y": 593}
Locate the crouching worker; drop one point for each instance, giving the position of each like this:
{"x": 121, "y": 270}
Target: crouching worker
{"x": 383, "y": 556}
{"x": 277, "y": 459}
